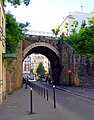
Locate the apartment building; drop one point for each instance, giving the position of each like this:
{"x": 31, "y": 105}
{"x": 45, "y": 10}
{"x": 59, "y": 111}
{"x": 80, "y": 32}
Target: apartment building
{"x": 33, "y": 60}
{"x": 37, "y": 58}
{"x": 27, "y": 65}
{"x": 2, "y": 50}
{"x": 66, "y": 27}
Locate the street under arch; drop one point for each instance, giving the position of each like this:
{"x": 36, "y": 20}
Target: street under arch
{"x": 51, "y": 53}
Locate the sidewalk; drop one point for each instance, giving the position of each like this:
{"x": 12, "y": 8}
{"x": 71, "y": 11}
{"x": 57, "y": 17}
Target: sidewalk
{"x": 17, "y": 107}
{"x": 83, "y": 92}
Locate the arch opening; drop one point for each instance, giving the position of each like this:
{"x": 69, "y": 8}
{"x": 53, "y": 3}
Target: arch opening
{"x": 53, "y": 57}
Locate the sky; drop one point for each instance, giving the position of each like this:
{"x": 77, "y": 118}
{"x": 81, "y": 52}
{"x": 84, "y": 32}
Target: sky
{"x": 45, "y": 15}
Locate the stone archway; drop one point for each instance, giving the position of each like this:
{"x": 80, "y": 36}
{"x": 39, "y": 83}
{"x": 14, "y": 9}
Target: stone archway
{"x": 51, "y": 53}
{"x": 41, "y": 44}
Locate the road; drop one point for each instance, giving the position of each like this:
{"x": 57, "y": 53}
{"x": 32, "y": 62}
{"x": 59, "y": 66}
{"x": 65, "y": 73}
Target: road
{"x": 72, "y": 106}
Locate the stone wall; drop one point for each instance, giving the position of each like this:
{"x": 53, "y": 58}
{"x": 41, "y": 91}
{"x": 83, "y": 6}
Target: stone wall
{"x": 85, "y": 71}
{"x": 82, "y": 69}
{"x": 67, "y": 61}
{"x": 14, "y": 76}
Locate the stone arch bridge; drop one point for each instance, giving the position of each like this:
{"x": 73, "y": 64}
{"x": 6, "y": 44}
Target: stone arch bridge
{"x": 48, "y": 46}
{"x": 62, "y": 58}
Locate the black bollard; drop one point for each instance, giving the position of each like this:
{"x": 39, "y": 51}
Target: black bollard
{"x": 41, "y": 91}
{"x": 30, "y": 100}
{"x": 54, "y": 96}
{"x": 44, "y": 92}
{"x": 47, "y": 95}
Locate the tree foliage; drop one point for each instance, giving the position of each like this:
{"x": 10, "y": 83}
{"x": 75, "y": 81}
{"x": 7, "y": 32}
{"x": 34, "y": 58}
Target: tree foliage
{"x": 13, "y": 33}
{"x": 40, "y": 70}
{"x": 34, "y": 70}
{"x": 74, "y": 26}
{"x": 66, "y": 25}
{"x": 15, "y": 3}
{"x": 83, "y": 41}
{"x": 55, "y": 31}
{"x": 91, "y": 20}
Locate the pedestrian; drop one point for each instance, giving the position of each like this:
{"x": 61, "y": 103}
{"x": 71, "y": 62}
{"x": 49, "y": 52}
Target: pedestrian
{"x": 26, "y": 82}
{"x": 46, "y": 79}
{"x": 49, "y": 80}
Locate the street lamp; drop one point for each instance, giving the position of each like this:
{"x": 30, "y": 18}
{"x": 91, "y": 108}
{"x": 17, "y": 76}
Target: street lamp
{"x": 83, "y": 23}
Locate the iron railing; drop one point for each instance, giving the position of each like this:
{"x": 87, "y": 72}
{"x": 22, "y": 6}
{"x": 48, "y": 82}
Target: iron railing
{"x": 39, "y": 33}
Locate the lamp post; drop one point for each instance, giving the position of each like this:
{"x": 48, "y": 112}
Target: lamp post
{"x": 83, "y": 23}
{"x": 54, "y": 96}
{"x": 31, "y": 101}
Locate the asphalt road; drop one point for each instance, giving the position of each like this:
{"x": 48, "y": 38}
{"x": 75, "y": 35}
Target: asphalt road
{"x": 72, "y": 106}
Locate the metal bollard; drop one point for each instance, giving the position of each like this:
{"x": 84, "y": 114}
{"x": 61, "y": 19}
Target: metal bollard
{"x": 47, "y": 95}
{"x": 41, "y": 91}
{"x": 44, "y": 92}
{"x": 30, "y": 100}
{"x": 54, "y": 96}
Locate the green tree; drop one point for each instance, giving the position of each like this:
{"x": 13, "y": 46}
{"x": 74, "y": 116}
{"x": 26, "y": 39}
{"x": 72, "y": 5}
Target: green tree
{"x": 66, "y": 27}
{"x": 35, "y": 70}
{"x": 83, "y": 41}
{"x": 13, "y": 33}
{"x": 40, "y": 70}
{"x": 15, "y": 3}
{"x": 31, "y": 71}
{"x": 72, "y": 40}
{"x": 74, "y": 26}
{"x": 91, "y": 20}
{"x": 55, "y": 31}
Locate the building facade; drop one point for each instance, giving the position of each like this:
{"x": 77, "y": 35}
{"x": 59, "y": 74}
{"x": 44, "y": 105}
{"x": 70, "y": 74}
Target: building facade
{"x": 66, "y": 27}
{"x": 27, "y": 65}
{"x": 2, "y": 50}
{"x": 33, "y": 60}
{"x": 38, "y": 58}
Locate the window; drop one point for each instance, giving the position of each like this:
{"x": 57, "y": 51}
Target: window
{"x": 2, "y": 25}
